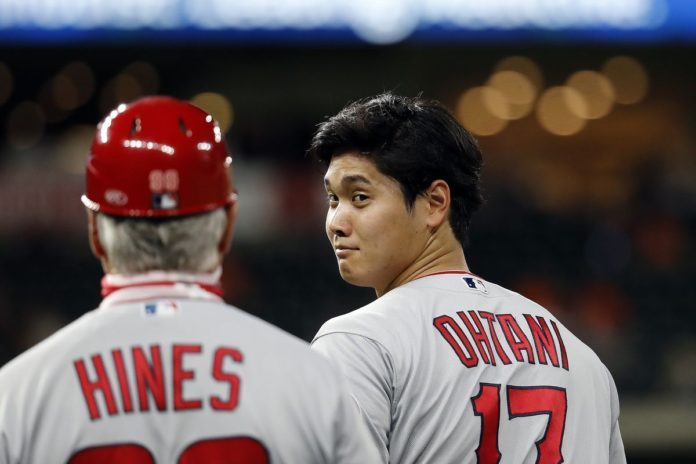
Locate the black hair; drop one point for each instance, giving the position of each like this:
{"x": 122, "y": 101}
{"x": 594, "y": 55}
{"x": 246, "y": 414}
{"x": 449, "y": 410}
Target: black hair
{"x": 412, "y": 140}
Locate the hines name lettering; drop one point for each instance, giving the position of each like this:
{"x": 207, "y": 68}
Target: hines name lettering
{"x": 474, "y": 338}
{"x": 135, "y": 379}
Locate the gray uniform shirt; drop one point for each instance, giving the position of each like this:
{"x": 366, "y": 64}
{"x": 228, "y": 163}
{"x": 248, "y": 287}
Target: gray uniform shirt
{"x": 452, "y": 369}
{"x": 171, "y": 374}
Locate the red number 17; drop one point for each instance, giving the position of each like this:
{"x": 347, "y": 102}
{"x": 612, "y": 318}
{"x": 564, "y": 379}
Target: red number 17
{"x": 522, "y": 402}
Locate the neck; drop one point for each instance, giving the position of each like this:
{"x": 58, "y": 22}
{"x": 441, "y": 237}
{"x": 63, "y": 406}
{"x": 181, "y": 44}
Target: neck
{"x": 440, "y": 254}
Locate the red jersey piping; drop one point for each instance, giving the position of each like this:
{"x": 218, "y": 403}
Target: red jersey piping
{"x": 449, "y": 272}
{"x": 109, "y": 289}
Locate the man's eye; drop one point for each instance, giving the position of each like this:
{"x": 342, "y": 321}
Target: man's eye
{"x": 360, "y": 197}
{"x": 331, "y": 198}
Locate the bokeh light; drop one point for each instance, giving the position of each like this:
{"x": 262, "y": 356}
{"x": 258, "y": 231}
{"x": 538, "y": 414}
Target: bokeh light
{"x": 136, "y": 80}
{"x": 517, "y": 90}
{"x": 524, "y": 66}
{"x": 482, "y": 110}
{"x": 558, "y": 109}
{"x": 146, "y": 75}
{"x": 123, "y": 88}
{"x": 71, "y": 148}
{"x": 52, "y": 111}
{"x": 127, "y": 88}
{"x": 83, "y": 78}
{"x": 71, "y": 88}
{"x": 64, "y": 92}
{"x": 597, "y": 92}
{"x": 218, "y": 106}
{"x": 25, "y": 125}
{"x": 628, "y": 77}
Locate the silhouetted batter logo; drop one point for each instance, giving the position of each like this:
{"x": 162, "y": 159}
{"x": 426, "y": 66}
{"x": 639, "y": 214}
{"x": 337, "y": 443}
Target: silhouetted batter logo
{"x": 475, "y": 283}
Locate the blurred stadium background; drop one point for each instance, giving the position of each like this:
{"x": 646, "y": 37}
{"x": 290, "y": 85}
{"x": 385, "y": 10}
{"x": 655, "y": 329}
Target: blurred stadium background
{"x": 585, "y": 110}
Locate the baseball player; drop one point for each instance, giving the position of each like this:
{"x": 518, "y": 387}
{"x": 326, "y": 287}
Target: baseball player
{"x": 448, "y": 367}
{"x": 163, "y": 371}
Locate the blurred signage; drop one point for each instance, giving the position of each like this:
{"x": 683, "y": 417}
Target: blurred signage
{"x": 373, "y": 21}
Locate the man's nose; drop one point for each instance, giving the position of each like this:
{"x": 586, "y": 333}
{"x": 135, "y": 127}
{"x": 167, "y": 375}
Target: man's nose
{"x": 338, "y": 222}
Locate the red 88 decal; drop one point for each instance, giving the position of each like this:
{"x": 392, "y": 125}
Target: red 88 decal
{"x": 164, "y": 181}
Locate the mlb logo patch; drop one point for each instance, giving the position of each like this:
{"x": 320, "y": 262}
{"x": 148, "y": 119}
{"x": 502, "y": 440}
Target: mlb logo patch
{"x": 475, "y": 283}
{"x": 165, "y": 200}
{"x": 161, "y": 308}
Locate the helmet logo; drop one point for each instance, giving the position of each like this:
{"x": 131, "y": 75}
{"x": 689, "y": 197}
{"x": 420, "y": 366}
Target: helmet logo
{"x": 115, "y": 197}
{"x": 164, "y": 188}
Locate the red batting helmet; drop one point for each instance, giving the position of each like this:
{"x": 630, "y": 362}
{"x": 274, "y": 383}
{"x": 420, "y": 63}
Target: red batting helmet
{"x": 155, "y": 157}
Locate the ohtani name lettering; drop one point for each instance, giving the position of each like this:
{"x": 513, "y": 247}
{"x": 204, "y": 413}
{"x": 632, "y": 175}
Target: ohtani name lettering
{"x": 474, "y": 339}
{"x": 147, "y": 374}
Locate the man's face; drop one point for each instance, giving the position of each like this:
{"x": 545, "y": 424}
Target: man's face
{"x": 375, "y": 238}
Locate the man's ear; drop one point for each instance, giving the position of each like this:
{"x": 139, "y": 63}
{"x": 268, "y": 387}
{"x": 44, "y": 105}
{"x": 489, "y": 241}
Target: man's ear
{"x": 94, "y": 241}
{"x": 438, "y": 196}
{"x": 226, "y": 239}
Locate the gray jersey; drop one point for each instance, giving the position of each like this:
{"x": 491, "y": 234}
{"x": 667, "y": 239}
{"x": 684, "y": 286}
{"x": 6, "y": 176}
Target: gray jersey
{"x": 171, "y": 374}
{"x": 452, "y": 369}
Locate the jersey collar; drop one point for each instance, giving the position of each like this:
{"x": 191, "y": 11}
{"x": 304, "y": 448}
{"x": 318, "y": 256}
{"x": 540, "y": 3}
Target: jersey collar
{"x": 447, "y": 272}
{"x": 121, "y": 288}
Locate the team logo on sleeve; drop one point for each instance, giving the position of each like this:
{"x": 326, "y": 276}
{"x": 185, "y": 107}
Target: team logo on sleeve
{"x": 475, "y": 283}
{"x": 161, "y": 308}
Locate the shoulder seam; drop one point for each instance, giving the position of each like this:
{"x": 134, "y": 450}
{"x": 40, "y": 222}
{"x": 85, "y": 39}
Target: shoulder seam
{"x": 346, "y": 332}
{"x": 376, "y": 342}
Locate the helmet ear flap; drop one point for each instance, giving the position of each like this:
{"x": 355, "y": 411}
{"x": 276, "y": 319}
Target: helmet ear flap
{"x": 157, "y": 157}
